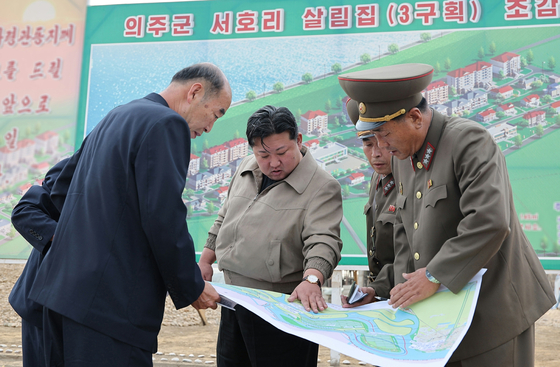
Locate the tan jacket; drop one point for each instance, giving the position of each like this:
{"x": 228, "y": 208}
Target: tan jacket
{"x": 455, "y": 215}
{"x": 380, "y": 218}
{"x": 268, "y": 240}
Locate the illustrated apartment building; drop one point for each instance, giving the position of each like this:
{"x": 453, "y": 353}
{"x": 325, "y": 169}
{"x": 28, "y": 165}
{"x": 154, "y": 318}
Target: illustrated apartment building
{"x": 457, "y": 106}
{"x": 437, "y": 93}
{"x": 532, "y": 100}
{"x": 477, "y": 75}
{"x": 355, "y": 178}
{"x": 476, "y": 98}
{"x": 502, "y": 131}
{"x": 525, "y": 83}
{"x": 194, "y": 165}
{"x": 505, "y": 91}
{"x": 486, "y": 116}
{"x": 535, "y": 117}
{"x": 229, "y": 151}
{"x": 211, "y": 177}
{"x": 508, "y": 62}
{"x": 314, "y": 122}
{"x": 46, "y": 143}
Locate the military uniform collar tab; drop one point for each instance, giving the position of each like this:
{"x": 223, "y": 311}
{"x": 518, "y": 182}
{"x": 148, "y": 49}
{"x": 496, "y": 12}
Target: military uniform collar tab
{"x": 389, "y": 184}
{"x": 424, "y": 157}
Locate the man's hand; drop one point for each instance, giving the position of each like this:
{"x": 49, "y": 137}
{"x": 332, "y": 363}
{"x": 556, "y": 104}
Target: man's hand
{"x": 207, "y": 258}
{"x": 207, "y": 299}
{"x": 370, "y": 298}
{"x": 310, "y": 296}
{"x": 416, "y": 288}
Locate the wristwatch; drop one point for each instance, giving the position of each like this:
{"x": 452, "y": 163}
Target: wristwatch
{"x": 431, "y": 277}
{"x": 313, "y": 279}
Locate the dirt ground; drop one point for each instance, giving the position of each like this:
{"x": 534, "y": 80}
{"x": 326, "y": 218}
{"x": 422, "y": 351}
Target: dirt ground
{"x": 183, "y": 339}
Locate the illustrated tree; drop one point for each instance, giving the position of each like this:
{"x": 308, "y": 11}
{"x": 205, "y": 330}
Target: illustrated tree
{"x": 557, "y": 120}
{"x": 447, "y": 64}
{"x": 278, "y": 87}
{"x": 539, "y": 130}
{"x": 37, "y": 127}
{"x": 530, "y": 57}
{"x": 194, "y": 147}
{"x": 298, "y": 115}
{"x": 204, "y": 163}
{"x": 547, "y": 98}
{"x": 492, "y": 48}
{"x": 205, "y": 144}
{"x": 500, "y": 114}
{"x": 365, "y": 58}
{"x": 437, "y": 68}
{"x": 251, "y": 95}
{"x": 307, "y": 78}
{"x": 453, "y": 91}
{"x": 536, "y": 84}
{"x": 27, "y": 132}
{"x": 425, "y": 36}
{"x": 338, "y": 102}
{"x": 550, "y": 111}
{"x": 481, "y": 53}
{"x": 551, "y": 63}
{"x": 393, "y": 48}
{"x": 517, "y": 140}
{"x": 236, "y": 134}
{"x": 336, "y": 68}
{"x": 12, "y": 232}
{"x": 544, "y": 243}
{"x": 190, "y": 210}
{"x": 336, "y": 122}
{"x": 189, "y": 193}
{"x": 328, "y": 105}
{"x": 500, "y": 97}
{"x": 523, "y": 62}
{"x": 210, "y": 207}
{"x": 345, "y": 191}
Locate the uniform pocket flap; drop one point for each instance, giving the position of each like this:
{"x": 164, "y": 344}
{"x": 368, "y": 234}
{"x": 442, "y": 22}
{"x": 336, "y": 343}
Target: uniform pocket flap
{"x": 386, "y": 218}
{"x": 401, "y": 200}
{"x": 435, "y": 194}
{"x": 367, "y": 207}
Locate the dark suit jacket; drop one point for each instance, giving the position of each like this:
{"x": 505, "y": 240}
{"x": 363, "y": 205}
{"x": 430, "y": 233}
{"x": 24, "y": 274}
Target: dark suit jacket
{"x": 122, "y": 240}
{"x": 34, "y": 217}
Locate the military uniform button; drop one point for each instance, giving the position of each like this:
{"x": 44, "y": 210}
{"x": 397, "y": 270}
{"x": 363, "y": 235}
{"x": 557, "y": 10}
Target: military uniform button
{"x": 370, "y": 253}
{"x": 418, "y": 195}
{"x": 416, "y": 225}
{"x": 416, "y": 256}
{"x": 419, "y": 165}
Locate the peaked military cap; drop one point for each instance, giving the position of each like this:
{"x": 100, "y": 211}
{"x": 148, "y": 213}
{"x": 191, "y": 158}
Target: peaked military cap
{"x": 382, "y": 94}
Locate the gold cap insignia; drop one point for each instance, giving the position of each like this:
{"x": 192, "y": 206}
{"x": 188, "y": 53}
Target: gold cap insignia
{"x": 362, "y": 108}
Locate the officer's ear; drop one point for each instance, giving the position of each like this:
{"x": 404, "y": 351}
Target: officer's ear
{"x": 195, "y": 92}
{"x": 416, "y": 117}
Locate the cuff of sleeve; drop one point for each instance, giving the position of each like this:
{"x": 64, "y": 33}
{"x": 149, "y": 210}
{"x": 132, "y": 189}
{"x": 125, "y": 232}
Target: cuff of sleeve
{"x": 211, "y": 242}
{"x": 320, "y": 264}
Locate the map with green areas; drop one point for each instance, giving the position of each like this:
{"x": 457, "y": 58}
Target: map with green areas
{"x": 425, "y": 334}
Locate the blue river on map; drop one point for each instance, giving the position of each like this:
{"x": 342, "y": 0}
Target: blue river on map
{"x": 375, "y": 341}
{"x": 120, "y": 73}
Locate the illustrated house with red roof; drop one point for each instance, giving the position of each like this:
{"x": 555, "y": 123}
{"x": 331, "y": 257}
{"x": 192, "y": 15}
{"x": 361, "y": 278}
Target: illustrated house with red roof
{"x": 486, "y": 116}
{"x": 222, "y": 192}
{"x": 312, "y": 144}
{"x": 505, "y": 91}
{"x": 535, "y": 117}
{"x": 194, "y": 165}
{"x": 477, "y": 75}
{"x": 216, "y": 156}
{"x": 437, "y": 93}
{"x": 556, "y": 106}
{"x": 508, "y": 109}
{"x": 532, "y": 100}
{"x": 46, "y": 143}
{"x": 314, "y": 122}
{"x": 508, "y": 62}
{"x": 355, "y": 178}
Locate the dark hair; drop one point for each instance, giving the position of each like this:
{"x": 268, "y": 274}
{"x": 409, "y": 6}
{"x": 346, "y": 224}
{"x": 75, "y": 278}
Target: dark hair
{"x": 422, "y": 106}
{"x": 270, "y": 120}
{"x": 208, "y": 72}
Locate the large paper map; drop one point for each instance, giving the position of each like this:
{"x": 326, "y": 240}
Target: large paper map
{"x": 426, "y": 334}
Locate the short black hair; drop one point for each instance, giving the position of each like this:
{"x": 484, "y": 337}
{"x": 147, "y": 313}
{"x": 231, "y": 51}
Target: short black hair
{"x": 422, "y": 106}
{"x": 208, "y": 72}
{"x": 270, "y": 120}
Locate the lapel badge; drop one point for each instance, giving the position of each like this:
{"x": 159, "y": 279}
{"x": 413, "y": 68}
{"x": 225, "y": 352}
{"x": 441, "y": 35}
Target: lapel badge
{"x": 430, "y": 183}
{"x": 392, "y": 208}
{"x": 400, "y": 188}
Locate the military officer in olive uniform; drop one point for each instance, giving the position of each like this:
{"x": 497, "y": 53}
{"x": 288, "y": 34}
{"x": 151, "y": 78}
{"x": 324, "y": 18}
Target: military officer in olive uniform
{"x": 379, "y": 210}
{"x": 455, "y": 216}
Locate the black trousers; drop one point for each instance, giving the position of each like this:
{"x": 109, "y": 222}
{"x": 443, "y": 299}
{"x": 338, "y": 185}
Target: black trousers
{"x": 70, "y": 344}
{"x": 32, "y": 345}
{"x": 246, "y": 340}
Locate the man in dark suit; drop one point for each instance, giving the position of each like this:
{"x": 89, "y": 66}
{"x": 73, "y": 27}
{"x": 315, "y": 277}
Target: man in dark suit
{"x": 34, "y": 217}
{"x": 122, "y": 240}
